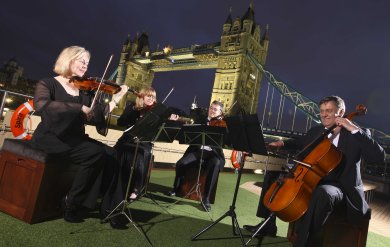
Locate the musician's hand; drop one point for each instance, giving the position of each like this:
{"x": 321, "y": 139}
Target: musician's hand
{"x": 174, "y": 117}
{"x": 276, "y": 145}
{"x": 123, "y": 91}
{"x": 119, "y": 95}
{"x": 87, "y": 111}
{"x": 346, "y": 123}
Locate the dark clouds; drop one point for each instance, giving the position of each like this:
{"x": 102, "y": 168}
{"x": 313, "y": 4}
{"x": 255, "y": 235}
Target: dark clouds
{"x": 317, "y": 47}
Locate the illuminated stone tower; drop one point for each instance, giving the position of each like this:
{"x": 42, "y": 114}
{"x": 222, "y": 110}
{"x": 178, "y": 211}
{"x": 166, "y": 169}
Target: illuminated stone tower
{"x": 135, "y": 75}
{"x": 237, "y": 81}
{"x": 236, "y": 78}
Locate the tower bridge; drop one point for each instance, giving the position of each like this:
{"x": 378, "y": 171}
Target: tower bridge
{"x": 237, "y": 82}
{"x": 189, "y": 58}
{"x": 239, "y": 60}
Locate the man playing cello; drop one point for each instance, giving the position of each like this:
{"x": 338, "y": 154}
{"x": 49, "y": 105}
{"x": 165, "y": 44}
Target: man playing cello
{"x": 342, "y": 186}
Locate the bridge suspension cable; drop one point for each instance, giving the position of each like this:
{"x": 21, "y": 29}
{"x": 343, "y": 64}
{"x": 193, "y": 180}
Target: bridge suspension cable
{"x": 303, "y": 103}
{"x": 306, "y": 105}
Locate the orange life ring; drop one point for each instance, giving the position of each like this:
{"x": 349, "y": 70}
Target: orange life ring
{"x": 17, "y": 120}
{"x": 236, "y": 158}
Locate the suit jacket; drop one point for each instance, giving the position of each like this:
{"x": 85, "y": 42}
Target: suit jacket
{"x": 347, "y": 176}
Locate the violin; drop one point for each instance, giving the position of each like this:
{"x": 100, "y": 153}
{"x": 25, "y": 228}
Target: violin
{"x": 185, "y": 120}
{"x": 92, "y": 84}
{"x": 218, "y": 121}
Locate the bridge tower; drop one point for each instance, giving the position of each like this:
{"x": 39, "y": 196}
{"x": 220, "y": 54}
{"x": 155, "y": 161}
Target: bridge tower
{"x": 135, "y": 75}
{"x": 237, "y": 81}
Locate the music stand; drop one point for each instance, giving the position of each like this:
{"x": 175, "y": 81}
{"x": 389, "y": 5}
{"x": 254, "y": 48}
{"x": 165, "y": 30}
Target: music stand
{"x": 246, "y": 135}
{"x": 164, "y": 134}
{"x": 200, "y": 135}
{"x": 144, "y": 130}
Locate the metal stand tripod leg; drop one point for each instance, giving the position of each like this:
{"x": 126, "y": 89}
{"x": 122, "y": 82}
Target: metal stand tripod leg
{"x": 144, "y": 191}
{"x": 260, "y": 227}
{"x": 230, "y": 213}
{"x": 124, "y": 204}
{"x": 196, "y": 187}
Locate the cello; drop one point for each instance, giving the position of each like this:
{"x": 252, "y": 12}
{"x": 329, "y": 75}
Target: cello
{"x": 288, "y": 197}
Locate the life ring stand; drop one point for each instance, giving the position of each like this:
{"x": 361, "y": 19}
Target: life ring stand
{"x": 17, "y": 120}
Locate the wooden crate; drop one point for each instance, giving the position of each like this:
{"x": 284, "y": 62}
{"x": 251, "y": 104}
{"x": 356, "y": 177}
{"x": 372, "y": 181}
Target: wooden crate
{"x": 338, "y": 232}
{"x": 190, "y": 179}
{"x": 31, "y": 189}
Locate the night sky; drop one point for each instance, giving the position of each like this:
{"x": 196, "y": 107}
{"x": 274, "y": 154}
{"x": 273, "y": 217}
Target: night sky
{"x": 317, "y": 47}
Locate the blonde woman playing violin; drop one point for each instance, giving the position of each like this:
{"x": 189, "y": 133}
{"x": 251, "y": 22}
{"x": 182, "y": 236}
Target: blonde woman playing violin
{"x": 64, "y": 110}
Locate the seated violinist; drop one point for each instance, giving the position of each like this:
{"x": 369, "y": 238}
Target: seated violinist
{"x": 342, "y": 186}
{"x": 64, "y": 110}
{"x": 146, "y": 99}
{"x": 213, "y": 158}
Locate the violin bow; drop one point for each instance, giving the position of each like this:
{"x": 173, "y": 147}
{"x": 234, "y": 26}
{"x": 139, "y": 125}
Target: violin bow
{"x": 166, "y": 97}
{"x": 231, "y": 107}
{"x": 101, "y": 81}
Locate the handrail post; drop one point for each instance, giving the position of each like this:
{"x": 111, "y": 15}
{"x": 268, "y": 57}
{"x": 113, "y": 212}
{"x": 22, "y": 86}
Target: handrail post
{"x": 3, "y": 103}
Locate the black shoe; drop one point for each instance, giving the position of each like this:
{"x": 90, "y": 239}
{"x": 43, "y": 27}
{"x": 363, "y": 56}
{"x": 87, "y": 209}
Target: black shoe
{"x": 267, "y": 230}
{"x": 206, "y": 205}
{"x": 171, "y": 193}
{"x": 70, "y": 212}
{"x": 118, "y": 222}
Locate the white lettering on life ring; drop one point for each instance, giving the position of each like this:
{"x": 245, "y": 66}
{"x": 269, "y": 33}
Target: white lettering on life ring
{"x": 17, "y": 120}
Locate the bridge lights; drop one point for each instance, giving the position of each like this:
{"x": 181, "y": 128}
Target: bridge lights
{"x": 167, "y": 50}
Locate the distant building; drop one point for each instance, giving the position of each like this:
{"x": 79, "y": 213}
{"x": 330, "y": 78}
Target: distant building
{"x": 11, "y": 72}
{"x": 12, "y": 78}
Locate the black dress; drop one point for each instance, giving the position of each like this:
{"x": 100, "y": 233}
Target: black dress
{"x": 126, "y": 146}
{"x": 62, "y": 132}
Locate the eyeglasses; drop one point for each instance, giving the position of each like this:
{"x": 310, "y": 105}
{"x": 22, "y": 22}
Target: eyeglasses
{"x": 150, "y": 96}
{"x": 83, "y": 62}
{"x": 214, "y": 108}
